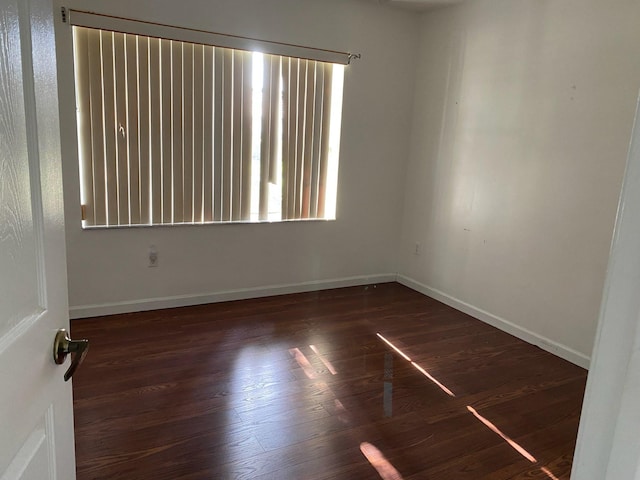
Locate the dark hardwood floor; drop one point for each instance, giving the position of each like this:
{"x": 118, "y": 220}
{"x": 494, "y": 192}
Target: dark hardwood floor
{"x": 306, "y": 387}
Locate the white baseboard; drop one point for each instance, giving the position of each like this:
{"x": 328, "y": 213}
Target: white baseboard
{"x": 84, "y": 311}
{"x": 522, "y": 333}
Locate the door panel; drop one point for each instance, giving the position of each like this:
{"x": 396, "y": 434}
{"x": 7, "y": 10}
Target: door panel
{"x": 36, "y": 456}
{"x": 36, "y": 438}
{"x": 17, "y": 234}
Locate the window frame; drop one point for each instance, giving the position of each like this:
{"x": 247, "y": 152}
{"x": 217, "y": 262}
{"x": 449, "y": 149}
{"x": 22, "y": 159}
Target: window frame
{"x": 121, "y": 25}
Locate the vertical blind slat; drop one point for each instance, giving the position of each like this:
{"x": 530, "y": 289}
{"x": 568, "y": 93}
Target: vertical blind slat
{"x": 300, "y": 140}
{"x": 286, "y": 111}
{"x": 208, "y": 181}
{"x": 155, "y": 113}
{"x": 317, "y": 129}
{"x": 247, "y": 134}
{"x": 83, "y": 101}
{"x": 219, "y": 145}
{"x": 166, "y": 105}
{"x": 122, "y": 128}
{"x": 144, "y": 126}
{"x": 274, "y": 105}
{"x": 97, "y": 126}
{"x": 177, "y": 157}
{"x": 265, "y": 138}
{"x": 294, "y": 89}
{"x": 187, "y": 131}
{"x": 324, "y": 149}
{"x": 198, "y": 133}
{"x": 238, "y": 65}
{"x": 132, "y": 133}
{"x": 109, "y": 128}
{"x": 227, "y": 135}
{"x": 310, "y": 95}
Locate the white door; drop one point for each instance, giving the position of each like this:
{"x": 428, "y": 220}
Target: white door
{"x": 608, "y": 444}
{"x": 36, "y": 416}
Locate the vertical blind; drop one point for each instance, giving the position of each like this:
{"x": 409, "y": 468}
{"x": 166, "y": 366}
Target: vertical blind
{"x": 166, "y": 132}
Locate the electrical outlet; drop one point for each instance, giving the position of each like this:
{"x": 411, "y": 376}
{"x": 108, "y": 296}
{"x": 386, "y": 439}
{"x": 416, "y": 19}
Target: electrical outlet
{"x": 153, "y": 256}
{"x": 416, "y": 250}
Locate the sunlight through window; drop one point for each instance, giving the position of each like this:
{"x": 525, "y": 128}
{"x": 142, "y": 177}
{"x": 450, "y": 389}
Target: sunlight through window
{"x": 181, "y": 132}
{"x": 334, "y": 141}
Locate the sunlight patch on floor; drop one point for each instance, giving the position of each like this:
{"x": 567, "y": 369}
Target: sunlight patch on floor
{"x": 379, "y": 462}
{"x": 417, "y": 367}
{"x": 400, "y": 352}
{"x": 549, "y": 474}
{"x": 303, "y": 362}
{"x": 433, "y": 379}
{"x": 322, "y": 358}
{"x": 495, "y": 429}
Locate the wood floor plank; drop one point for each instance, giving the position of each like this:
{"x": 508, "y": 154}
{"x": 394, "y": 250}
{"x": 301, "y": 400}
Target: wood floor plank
{"x": 299, "y": 386}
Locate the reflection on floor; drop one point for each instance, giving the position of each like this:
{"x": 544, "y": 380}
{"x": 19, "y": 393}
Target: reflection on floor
{"x": 363, "y": 382}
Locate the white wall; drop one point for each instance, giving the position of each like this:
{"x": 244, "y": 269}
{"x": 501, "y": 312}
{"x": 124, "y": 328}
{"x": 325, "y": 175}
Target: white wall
{"x": 522, "y": 119}
{"x": 110, "y": 266}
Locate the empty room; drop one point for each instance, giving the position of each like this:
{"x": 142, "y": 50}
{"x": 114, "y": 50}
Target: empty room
{"x": 320, "y": 239}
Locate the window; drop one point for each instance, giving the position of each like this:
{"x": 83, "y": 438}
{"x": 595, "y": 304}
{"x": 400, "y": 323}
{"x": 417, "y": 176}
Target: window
{"x": 174, "y": 131}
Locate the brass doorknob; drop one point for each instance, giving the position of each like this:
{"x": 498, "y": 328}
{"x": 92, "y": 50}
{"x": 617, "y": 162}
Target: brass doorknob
{"x": 63, "y": 346}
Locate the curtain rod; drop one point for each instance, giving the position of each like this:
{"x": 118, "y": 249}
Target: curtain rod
{"x": 169, "y": 32}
